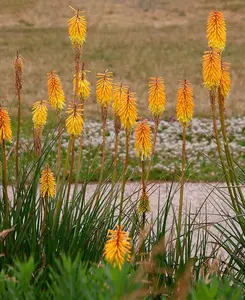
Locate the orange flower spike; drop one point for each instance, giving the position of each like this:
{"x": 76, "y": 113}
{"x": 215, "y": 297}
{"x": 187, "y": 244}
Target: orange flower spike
{"x": 47, "y": 183}
{"x": 128, "y": 111}
{"x": 119, "y": 90}
{"x": 55, "y": 91}
{"x": 225, "y": 81}
{"x": 5, "y": 126}
{"x": 157, "y": 96}
{"x": 117, "y": 247}
{"x": 104, "y": 88}
{"x": 185, "y": 105}
{"x": 216, "y": 30}
{"x": 77, "y": 27}
{"x": 211, "y": 69}
{"x": 143, "y": 143}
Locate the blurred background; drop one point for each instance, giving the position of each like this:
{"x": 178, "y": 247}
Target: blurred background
{"x": 133, "y": 38}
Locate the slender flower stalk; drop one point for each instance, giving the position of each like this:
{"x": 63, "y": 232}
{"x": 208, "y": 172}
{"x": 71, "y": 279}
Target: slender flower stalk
{"x": 128, "y": 117}
{"x": 223, "y": 91}
{"x": 184, "y": 112}
{"x": 212, "y": 75}
{"x": 216, "y": 30}
{"x": 74, "y": 126}
{"x": 104, "y": 96}
{"x": 119, "y": 91}
{"x": 143, "y": 149}
{"x": 5, "y": 135}
{"x": 157, "y": 102}
{"x": 57, "y": 101}
{"x": 77, "y": 27}
{"x": 83, "y": 92}
{"x": 117, "y": 248}
{"x": 212, "y": 95}
{"x": 39, "y": 118}
{"x": 18, "y": 67}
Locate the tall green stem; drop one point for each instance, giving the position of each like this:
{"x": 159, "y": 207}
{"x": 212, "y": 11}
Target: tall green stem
{"x": 157, "y": 121}
{"x": 216, "y": 133}
{"x": 103, "y": 117}
{"x": 59, "y": 149}
{"x": 124, "y": 179}
{"x": 229, "y": 158}
{"x": 182, "y": 181}
{"x": 79, "y": 152}
{"x": 18, "y": 144}
{"x": 5, "y": 188}
{"x": 143, "y": 191}
{"x": 18, "y": 87}
{"x": 45, "y": 208}
{"x": 71, "y": 172}
{"x": 117, "y": 130}
{"x": 60, "y": 199}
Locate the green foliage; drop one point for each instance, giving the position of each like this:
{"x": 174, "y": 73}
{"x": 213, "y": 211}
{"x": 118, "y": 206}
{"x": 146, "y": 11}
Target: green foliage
{"x": 216, "y": 289}
{"x": 74, "y": 280}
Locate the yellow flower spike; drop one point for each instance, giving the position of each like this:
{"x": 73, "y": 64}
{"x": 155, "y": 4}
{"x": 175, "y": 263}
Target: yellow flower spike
{"x": 104, "y": 88}
{"x": 47, "y": 183}
{"x": 77, "y": 28}
{"x": 128, "y": 111}
{"x": 211, "y": 69}
{"x": 225, "y": 81}
{"x": 117, "y": 247}
{"x": 216, "y": 30}
{"x": 74, "y": 121}
{"x": 157, "y": 96}
{"x": 55, "y": 91}
{"x": 39, "y": 113}
{"x": 83, "y": 85}
{"x": 5, "y": 126}
{"x": 185, "y": 105}
{"x": 143, "y": 144}
{"x": 119, "y": 90}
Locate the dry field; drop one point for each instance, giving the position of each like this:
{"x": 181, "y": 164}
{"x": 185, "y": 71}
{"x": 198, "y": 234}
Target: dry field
{"x": 133, "y": 38}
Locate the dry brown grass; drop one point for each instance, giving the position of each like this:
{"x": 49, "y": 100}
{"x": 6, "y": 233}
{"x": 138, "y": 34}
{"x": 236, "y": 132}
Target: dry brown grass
{"x": 133, "y": 38}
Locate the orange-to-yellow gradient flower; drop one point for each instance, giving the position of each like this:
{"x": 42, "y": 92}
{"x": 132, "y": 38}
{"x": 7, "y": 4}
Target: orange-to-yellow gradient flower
{"x": 143, "y": 143}
{"x": 39, "y": 113}
{"x": 225, "y": 81}
{"x": 47, "y": 183}
{"x": 5, "y": 126}
{"x": 117, "y": 247}
{"x": 211, "y": 69}
{"x": 83, "y": 86}
{"x": 74, "y": 121}
{"x": 157, "y": 96}
{"x": 119, "y": 90}
{"x": 216, "y": 30}
{"x": 104, "y": 88}
{"x": 185, "y": 105}
{"x": 128, "y": 111}
{"x": 77, "y": 27}
{"x": 55, "y": 91}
